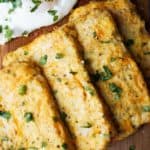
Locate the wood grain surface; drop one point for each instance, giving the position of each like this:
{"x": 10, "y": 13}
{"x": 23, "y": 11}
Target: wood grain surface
{"x": 141, "y": 139}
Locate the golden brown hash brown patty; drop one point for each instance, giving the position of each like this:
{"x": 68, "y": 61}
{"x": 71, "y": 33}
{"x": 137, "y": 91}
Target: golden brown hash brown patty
{"x": 132, "y": 28}
{"x": 116, "y": 75}
{"x": 28, "y": 115}
{"x": 81, "y": 108}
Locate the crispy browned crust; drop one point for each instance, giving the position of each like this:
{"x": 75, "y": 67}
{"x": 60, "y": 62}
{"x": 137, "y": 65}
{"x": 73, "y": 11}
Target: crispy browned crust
{"x": 24, "y": 90}
{"x": 75, "y": 94}
{"x": 101, "y": 43}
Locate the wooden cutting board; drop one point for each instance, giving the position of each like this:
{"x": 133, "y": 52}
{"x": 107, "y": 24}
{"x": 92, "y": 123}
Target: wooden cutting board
{"x": 141, "y": 139}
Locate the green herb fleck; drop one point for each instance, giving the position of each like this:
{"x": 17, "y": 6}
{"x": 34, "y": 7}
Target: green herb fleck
{"x": 64, "y": 146}
{"x": 5, "y": 114}
{"x": 103, "y": 76}
{"x": 94, "y": 35}
{"x": 88, "y": 125}
{"x": 90, "y": 90}
{"x": 73, "y": 72}
{"x": 25, "y": 33}
{"x": 132, "y": 147}
{"x": 1, "y": 28}
{"x": 55, "y": 18}
{"x": 113, "y": 59}
{"x": 146, "y": 108}
{"x": 26, "y": 52}
{"x": 43, "y": 60}
{"x": 22, "y": 90}
{"x": 37, "y": 3}
{"x": 53, "y": 13}
{"x": 8, "y": 33}
{"x": 59, "y": 79}
{"x": 15, "y": 4}
{"x": 106, "y": 75}
{"x": 59, "y": 56}
{"x": 3, "y": 139}
{"x": 28, "y": 116}
{"x": 116, "y": 90}
{"x": 44, "y": 144}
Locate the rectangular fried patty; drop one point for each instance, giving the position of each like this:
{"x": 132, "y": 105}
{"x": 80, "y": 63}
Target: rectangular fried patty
{"x": 116, "y": 75}
{"x": 81, "y": 108}
{"x": 132, "y": 28}
{"x": 28, "y": 115}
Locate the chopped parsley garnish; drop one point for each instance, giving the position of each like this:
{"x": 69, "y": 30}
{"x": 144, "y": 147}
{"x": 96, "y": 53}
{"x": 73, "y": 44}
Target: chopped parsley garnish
{"x": 4, "y": 139}
{"x": 112, "y": 59}
{"x": 63, "y": 116}
{"x": 4, "y": 1}
{"x": 59, "y": 55}
{"x": 90, "y": 90}
{"x": 8, "y": 33}
{"x": 1, "y": 28}
{"x": 64, "y": 146}
{"x": 132, "y": 147}
{"x": 37, "y": 3}
{"x": 146, "y": 108}
{"x": 5, "y": 114}
{"x": 34, "y": 8}
{"x": 88, "y": 125}
{"x": 15, "y": 4}
{"x": 129, "y": 42}
{"x": 44, "y": 144}
{"x": 103, "y": 76}
{"x": 54, "y": 14}
{"x": 73, "y": 72}
{"x": 106, "y": 75}
{"x": 25, "y": 33}
{"x": 59, "y": 79}
{"x": 22, "y": 90}
{"x": 94, "y": 35}
{"x": 43, "y": 60}
{"x": 116, "y": 90}
{"x": 26, "y": 52}
{"x": 28, "y": 116}
{"x": 55, "y": 18}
